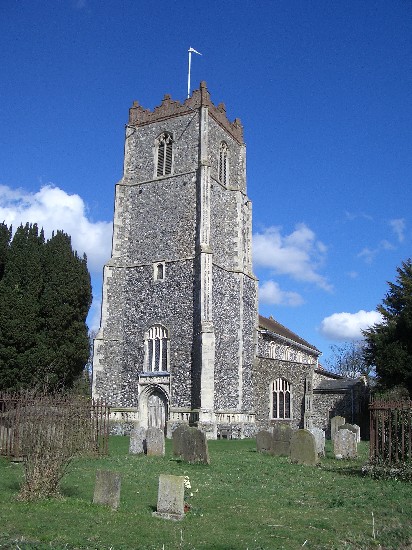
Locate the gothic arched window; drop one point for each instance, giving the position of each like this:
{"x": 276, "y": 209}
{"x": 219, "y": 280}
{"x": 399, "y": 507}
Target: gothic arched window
{"x": 164, "y": 155}
{"x": 281, "y": 399}
{"x": 157, "y": 349}
{"x": 224, "y": 163}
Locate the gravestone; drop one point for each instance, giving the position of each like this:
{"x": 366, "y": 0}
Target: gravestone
{"x": 155, "y": 442}
{"x": 358, "y": 438}
{"x": 264, "y": 441}
{"x": 107, "y": 489}
{"x": 137, "y": 441}
{"x": 319, "y": 440}
{"x": 177, "y": 439}
{"x": 345, "y": 444}
{"x": 352, "y": 428}
{"x": 303, "y": 448}
{"x": 194, "y": 446}
{"x": 170, "y": 497}
{"x": 281, "y": 436}
{"x": 335, "y": 422}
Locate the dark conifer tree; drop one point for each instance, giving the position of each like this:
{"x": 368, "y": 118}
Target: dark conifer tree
{"x": 389, "y": 344}
{"x": 20, "y": 320}
{"x": 45, "y": 294}
{"x": 65, "y": 302}
{"x": 5, "y": 236}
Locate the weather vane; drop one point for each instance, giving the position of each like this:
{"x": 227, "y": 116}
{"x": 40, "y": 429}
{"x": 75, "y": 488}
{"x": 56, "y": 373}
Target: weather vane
{"x": 190, "y": 50}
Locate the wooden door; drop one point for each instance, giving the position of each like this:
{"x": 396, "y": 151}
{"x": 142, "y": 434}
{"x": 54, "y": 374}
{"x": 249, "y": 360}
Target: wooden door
{"x": 156, "y": 410}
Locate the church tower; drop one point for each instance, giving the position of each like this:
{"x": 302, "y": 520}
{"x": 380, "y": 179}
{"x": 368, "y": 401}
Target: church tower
{"x": 177, "y": 339}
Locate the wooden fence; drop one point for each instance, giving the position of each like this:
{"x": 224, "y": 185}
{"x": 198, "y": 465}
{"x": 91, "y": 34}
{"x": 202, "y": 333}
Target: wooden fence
{"x": 17, "y": 411}
{"x": 391, "y": 431}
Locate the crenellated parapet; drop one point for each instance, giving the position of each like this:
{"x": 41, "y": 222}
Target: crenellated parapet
{"x": 139, "y": 116}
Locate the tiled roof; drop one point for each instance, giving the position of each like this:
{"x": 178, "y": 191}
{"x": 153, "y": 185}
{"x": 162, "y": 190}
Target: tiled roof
{"x": 273, "y": 326}
{"x": 336, "y": 385}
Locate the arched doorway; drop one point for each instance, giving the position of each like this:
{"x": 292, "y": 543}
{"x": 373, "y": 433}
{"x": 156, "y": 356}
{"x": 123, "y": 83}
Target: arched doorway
{"x": 157, "y": 410}
{"x": 154, "y": 408}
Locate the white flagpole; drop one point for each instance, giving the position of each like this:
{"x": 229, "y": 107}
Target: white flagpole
{"x": 190, "y": 50}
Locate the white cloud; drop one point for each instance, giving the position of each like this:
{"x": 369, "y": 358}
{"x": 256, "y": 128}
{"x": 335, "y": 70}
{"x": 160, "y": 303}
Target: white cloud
{"x": 350, "y": 216}
{"x": 348, "y": 326}
{"x": 398, "y": 227}
{"x": 299, "y": 254}
{"x": 271, "y": 293}
{"x": 369, "y": 254}
{"x": 54, "y": 209}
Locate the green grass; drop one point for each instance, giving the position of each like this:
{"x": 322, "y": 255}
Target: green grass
{"x": 243, "y": 500}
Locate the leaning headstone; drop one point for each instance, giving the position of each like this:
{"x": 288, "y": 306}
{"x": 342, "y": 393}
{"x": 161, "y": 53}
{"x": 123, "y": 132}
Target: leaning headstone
{"x": 345, "y": 444}
{"x": 303, "y": 448}
{"x": 155, "y": 442}
{"x": 352, "y": 428}
{"x": 177, "y": 439}
{"x": 107, "y": 489}
{"x": 264, "y": 441}
{"x": 170, "y": 497}
{"x": 137, "y": 444}
{"x": 194, "y": 446}
{"x": 319, "y": 440}
{"x": 335, "y": 422}
{"x": 281, "y": 436}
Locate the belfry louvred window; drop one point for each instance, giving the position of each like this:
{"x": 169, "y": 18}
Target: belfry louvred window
{"x": 281, "y": 399}
{"x": 223, "y": 163}
{"x": 164, "y": 155}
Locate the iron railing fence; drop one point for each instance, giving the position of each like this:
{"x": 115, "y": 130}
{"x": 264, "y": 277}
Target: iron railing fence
{"x": 18, "y": 411}
{"x": 390, "y": 431}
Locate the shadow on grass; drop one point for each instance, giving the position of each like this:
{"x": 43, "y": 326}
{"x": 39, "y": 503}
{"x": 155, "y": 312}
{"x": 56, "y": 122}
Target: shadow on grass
{"x": 347, "y": 471}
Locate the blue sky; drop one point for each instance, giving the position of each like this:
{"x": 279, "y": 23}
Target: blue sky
{"x": 323, "y": 89}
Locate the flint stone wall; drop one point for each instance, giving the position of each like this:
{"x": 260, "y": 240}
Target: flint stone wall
{"x": 266, "y": 371}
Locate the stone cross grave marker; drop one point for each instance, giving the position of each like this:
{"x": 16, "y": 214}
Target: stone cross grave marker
{"x": 345, "y": 444}
{"x": 194, "y": 446}
{"x": 264, "y": 441}
{"x": 281, "y": 436}
{"x": 303, "y": 448}
{"x": 107, "y": 489}
{"x": 177, "y": 439}
{"x": 170, "y": 497}
{"x": 155, "y": 442}
{"x": 335, "y": 422}
{"x": 319, "y": 440}
{"x": 137, "y": 444}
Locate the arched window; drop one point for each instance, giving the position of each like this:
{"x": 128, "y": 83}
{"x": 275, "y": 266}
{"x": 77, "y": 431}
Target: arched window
{"x": 281, "y": 399}
{"x": 157, "y": 349}
{"x": 272, "y": 350}
{"x": 164, "y": 154}
{"x": 223, "y": 163}
{"x": 159, "y": 271}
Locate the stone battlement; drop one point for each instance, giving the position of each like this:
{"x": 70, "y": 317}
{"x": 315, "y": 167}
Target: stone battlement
{"x": 139, "y": 116}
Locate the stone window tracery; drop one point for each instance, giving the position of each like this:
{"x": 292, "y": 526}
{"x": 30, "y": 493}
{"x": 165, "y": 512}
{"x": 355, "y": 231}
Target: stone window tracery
{"x": 164, "y": 155}
{"x": 223, "y": 163}
{"x": 157, "y": 349}
{"x": 281, "y": 399}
